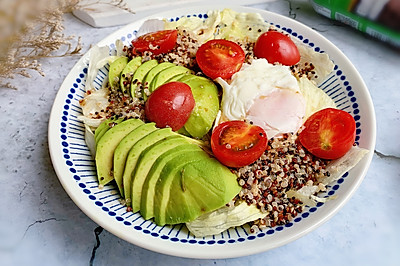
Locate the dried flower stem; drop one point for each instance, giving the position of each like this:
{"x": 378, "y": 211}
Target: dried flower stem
{"x": 32, "y": 30}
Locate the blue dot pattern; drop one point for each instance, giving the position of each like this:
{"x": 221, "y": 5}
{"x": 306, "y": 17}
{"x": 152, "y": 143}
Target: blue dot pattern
{"x": 81, "y": 164}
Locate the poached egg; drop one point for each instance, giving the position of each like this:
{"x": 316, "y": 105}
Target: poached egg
{"x": 266, "y": 95}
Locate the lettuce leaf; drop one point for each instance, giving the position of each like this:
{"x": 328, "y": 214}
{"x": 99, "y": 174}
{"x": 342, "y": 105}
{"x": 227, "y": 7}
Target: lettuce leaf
{"x": 224, "y": 218}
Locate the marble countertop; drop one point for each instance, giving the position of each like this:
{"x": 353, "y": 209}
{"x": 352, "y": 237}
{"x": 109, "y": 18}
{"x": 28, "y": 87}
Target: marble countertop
{"x": 40, "y": 225}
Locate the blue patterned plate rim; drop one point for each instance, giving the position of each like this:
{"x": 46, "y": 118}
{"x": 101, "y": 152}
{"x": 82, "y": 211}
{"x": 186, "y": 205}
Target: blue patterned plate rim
{"x": 75, "y": 167}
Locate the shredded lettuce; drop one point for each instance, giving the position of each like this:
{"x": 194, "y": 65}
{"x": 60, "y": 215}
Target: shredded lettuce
{"x": 340, "y": 166}
{"x": 224, "y": 218}
{"x": 150, "y": 25}
{"x": 203, "y": 30}
{"x": 237, "y": 26}
{"x": 90, "y": 141}
{"x": 323, "y": 65}
{"x": 225, "y": 24}
{"x": 316, "y": 99}
{"x": 93, "y": 102}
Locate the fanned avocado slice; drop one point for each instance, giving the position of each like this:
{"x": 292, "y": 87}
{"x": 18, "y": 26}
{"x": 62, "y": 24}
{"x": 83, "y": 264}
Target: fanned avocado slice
{"x": 115, "y": 70}
{"x": 140, "y": 73}
{"x": 149, "y": 185}
{"x": 128, "y": 72}
{"x": 205, "y": 94}
{"x": 104, "y": 126}
{"x": 165, "y": 74}
{"x": 122, "y": 151}
{"x": 187, "y": 77}
{"x": 107, "y": 145}
{"x": 133, "y": 156}
{"x": 163, "y": 186}
{"x": 177, "y": 77}
{"x": 145, "y": 162}
{"x": 152, "y": 73}
{"x": 202, "y": 186}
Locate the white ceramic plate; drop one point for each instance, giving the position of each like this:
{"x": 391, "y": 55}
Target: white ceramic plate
{"x": 76, "y": 171}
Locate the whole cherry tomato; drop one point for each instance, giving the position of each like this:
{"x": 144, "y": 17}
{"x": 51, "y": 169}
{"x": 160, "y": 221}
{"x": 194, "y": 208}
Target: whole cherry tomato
{"x": 156, "y": 42}
{"x": 237, "y": 143}
{"x": 220, "y": 58}
{"x": 277, "y": 48}
{"x": 329, "y": 133}
{"x": 170, "y": 105}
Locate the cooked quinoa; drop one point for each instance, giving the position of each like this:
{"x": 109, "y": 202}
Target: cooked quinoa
{"x": 285, "y": 165}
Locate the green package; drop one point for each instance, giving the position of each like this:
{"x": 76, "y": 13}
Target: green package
{"x": 375, "y": 18}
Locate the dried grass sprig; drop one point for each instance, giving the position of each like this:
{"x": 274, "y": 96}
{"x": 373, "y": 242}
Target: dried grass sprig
{"x": 33, "y": 30}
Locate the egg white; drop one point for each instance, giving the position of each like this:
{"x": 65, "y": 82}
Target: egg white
{"x": 265, "y": 94}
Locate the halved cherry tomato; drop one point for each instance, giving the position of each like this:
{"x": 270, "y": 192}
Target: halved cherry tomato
{"x": 220, "y": 58}
{"x": 237, "y": 143}
{"x": 155, "y": 42}
{"x": 328, "y": 133}
{"x": 170, "y": 105}
{"x": 277, "y": 48}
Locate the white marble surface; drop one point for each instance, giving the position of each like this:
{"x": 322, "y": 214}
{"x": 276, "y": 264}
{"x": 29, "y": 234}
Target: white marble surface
{"x": 40, "y": 225}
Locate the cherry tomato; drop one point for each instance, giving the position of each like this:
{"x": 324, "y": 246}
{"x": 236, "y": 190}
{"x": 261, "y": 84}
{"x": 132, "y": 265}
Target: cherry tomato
{"x": 237, "y": 143}
{"x": 220, "y": 58}
{"x": 329, "y": 133}
{"x": 276, "y": 47}
{"x": 156, "y": 42}
{"x": 170, "y": 105}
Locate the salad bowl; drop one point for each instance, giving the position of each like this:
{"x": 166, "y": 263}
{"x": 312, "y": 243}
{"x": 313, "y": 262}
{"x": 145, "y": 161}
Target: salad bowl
{"x": 76, "y": 169}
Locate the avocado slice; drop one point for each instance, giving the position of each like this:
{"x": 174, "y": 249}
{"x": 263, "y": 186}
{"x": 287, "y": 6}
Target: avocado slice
{"x": 145, "y": 162}
{"x": 115, "y": 70}
{"x": 177, "y": 77}
{"x": 187, "y": 77}
{"x": 128, "y": 71}
{"x": 165, "y": 74}
{"x": 153, "y": 72}
{"x": 201, "y": 187}
{"x": 107, "y": 145}
{"x": 104, "y": 126}
{"x": 148, "y": 190}
{"x": 133, "y": 156}
{"x": 169, "y": 172}
{"x": 122, "y": 151}
{"x": 140, "y": 73}
{"x": 205, "y": 94}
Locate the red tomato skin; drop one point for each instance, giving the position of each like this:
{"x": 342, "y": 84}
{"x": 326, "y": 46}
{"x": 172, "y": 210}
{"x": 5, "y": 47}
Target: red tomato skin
{"x": 276, "y": 48}
{"x": 170, "y": 105}
{"x": 161, "y": 42}
{"x": 230, "y": 157}
{"x": 329, "y": 133}
{"x": 220, "y": 58}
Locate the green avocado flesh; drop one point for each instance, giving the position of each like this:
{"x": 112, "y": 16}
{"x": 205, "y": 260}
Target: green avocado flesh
{"x": 161, "y": 173}
{"x": 152, "y": 73}
{"x": 149, "y": 185}
{"x": 146, "y": 161}
{"x": 129, "y": 70}
{"x": 170, "y": 171}
{"x": 140, "y": 73}
{"x": 163, "y": 76}
{"x": 115, "y": 70}
{"x": 155, "y": 70}
{"x": 122, "y": 151}
{"x": 133, "y": 157}
{"x": 104, "y": 126}
{"x": 196, "y": 192}
{"x": 205, "y": 94}
{"x": 177, "y": 77}
{"x": 107, "y": 145}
